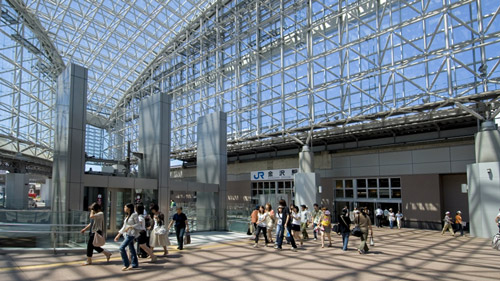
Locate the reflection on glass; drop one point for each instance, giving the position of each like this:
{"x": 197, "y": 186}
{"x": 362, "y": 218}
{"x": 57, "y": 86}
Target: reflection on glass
{"x": 372, "y": 193}
{"x": 361, "y": 182}
{"x": 361, "y": 192}
{"x": 384, "y": 193}
{"x": 395, "y": 182}
{"x": 348, "y": 184}
{"x": 396, "y": 193}
{"x": 349, "y": 193}
{"x": 372, "y": 182}
{"x": 339, "y": 184}
{"x": 383, "y": 182}
{"x": 339, "y": 193}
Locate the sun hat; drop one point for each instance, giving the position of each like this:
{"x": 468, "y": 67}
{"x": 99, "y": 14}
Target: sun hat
{"x": 327, "y": 212}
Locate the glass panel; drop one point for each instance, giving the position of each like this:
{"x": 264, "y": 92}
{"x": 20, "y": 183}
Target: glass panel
{"x": 361, "y": 192}
{"x": 348, "y": 183}
{"x": 339, "y": 184}
{"x": 396, "y": 193}
{"x": 339, "y": 193}
{"x": 361, "y": 182}
{"x": 384, "y": 193}
{"x": 372, "y": 182}
{"x": 372, "y": 193}
{"x": 266, "y": 185}
{"x": 383, "y": 182}
{"x": 349, "y": 193}
{"x": 395, "y": 182}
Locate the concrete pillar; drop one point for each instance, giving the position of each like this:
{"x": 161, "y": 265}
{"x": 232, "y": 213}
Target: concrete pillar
{"x": 306, "y": 181}
{"x": 16, "y": 191}
{"x": 211, "y": 163}
{"x": 483, "y": 180}
{"x": 154, "y": 144}
{"x": 69, "y": 142}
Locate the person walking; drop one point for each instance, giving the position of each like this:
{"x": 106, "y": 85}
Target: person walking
{"x": 181, "y": 227}
{"x": 296, "y": 222}
{"x": 392, "y": 218}
{"x": 96, "y": 225}
{"x": 261, "y": 226}
{"x": 254, "y": 217}
{"x": 279, "y": 225}
{"x": 345, "y": 228}
{"x": 129, "y": 231}
{"x": 379, "y": 215}
{"x": 159, "y": 235}
{"x": 326, "y": 227}
{"x": 271, "y": 219}
{"x": 286, "y": 222}
{"x": 143, "y": 237}
{"x": 365, "y": 224}
{"x": 399, "y": 219}
{"x": 316, "y": 219}
{"x": 305, "y": 219}
{"x": 458, "y": 222}
{"x": 447, "y": 224}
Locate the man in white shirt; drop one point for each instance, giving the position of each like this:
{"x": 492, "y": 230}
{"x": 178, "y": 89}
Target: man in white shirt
{"x": 316, "y": 217}
{"x": 305, "y": 218}
{"x": 379, "y": 214}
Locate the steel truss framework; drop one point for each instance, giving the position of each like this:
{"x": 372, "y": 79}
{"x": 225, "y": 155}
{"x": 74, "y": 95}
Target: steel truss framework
{"x": 115, "y": 40}
{"x": 282, "y": 67}
{"x": 278, "y": 68}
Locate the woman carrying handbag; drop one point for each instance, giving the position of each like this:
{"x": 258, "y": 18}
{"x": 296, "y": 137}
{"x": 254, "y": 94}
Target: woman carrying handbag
{"x": 96, "y": 238}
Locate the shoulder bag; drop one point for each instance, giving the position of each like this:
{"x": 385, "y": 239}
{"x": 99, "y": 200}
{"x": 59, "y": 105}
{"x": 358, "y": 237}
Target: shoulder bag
{"x": 99, "y": 240}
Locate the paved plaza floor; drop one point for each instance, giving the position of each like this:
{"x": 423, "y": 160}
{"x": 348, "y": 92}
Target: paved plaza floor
{"x": 406, "y": 254}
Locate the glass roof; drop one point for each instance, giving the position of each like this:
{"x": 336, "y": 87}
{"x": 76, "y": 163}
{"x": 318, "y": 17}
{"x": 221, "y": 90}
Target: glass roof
{"x": 115, "y": 40}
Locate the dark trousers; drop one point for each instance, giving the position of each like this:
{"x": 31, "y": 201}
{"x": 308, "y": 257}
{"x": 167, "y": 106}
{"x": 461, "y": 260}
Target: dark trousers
{"x": 264, "y": 231}
{"x": 280, "y": 237}
{"x": 90, "y": 246}
{"x": 179, "y": 233}
{"x": 460, "y": 228}
{"x": 379, "y": 221}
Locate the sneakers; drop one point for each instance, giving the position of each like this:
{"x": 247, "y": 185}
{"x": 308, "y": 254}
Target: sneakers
{"x": 255, "y": 245}
{"x": 293, "y": 249}
{"x": 315, "y": 239}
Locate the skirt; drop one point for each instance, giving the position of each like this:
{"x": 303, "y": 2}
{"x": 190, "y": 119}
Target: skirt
{"x": 157, "y": 240}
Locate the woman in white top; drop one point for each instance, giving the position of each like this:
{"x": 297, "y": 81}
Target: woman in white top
{"x": 159, "y": 235}
{"x": 296, "y": 224}
{"x": 399, "y": 219}
{"x": 261, "y": 226}
{"x": 96, "y": 226}
{"x": 270, "y": 222}
{"x": 129, "y": 230}
{"x": 392, "y": 218}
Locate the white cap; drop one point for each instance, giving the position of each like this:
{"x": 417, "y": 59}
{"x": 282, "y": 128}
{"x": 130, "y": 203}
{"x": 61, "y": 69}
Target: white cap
{"x": 447, "y": 212}
{"x": 458, "y": 212}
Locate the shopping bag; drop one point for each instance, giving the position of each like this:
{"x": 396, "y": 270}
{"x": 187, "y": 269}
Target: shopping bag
{"x": 187, "y": 238}
{"x": 372, "y": 243}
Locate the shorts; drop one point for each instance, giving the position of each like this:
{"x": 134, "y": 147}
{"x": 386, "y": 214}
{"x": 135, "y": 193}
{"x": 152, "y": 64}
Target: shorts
{"x": 295, "y": 227}
{"x": 326, "y": 229}
{"x": 143, "y": 237}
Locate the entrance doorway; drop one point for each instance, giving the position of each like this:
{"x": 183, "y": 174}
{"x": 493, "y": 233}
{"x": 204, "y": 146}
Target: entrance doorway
{"x": 117, "y": 198}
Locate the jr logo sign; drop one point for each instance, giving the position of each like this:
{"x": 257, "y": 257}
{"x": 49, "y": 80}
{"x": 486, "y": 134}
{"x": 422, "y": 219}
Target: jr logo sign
{"x": 258, "y": 176}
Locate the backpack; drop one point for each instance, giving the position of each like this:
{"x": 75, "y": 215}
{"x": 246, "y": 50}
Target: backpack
{"x": 495, "y": 243}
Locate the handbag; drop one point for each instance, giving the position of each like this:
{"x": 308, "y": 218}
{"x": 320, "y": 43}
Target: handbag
{"x": 160, "y": 230}
{"x": 98, "y": 241}
{"x": 372, "y": 243}
{"x": 187, "y": 238}
{"x": 356, "y": 231}
{"x": 336, "y": 228}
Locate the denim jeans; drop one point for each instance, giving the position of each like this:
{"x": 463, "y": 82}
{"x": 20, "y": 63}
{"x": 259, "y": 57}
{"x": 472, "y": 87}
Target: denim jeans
{"x": 129, "y": 241}
{"x": 292, "y": 240}
{"x": 345, "y": 240}
{"x": 279, "y": 235}
{"x": 179, "y": 233}
{"x": 314, "y": 230}
{"x": 391, "y": 223}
